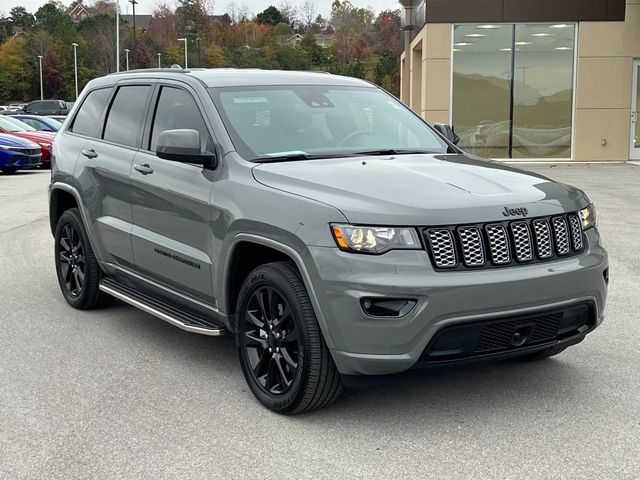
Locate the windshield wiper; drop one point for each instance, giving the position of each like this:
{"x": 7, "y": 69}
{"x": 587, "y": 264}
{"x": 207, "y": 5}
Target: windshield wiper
{"x": 283, "y": 158}
{"x": 392, "y": 151}
{"x": 288, "y": 157}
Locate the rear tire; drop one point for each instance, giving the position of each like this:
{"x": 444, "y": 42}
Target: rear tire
{"x": 9, "y": 171}
{"x": 77, "y": 269}
{"x": 283, "y": 356}
{"x": 542, "y": 354}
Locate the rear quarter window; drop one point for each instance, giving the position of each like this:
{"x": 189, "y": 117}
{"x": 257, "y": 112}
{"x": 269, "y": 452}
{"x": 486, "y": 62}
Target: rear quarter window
{"x": 86, "y": 121}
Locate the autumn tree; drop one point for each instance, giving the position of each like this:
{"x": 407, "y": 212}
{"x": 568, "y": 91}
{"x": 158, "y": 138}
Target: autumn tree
{"x": 352, "y": 28}
{"x": 16, "y": 71}
{"x": 162, "y": 31}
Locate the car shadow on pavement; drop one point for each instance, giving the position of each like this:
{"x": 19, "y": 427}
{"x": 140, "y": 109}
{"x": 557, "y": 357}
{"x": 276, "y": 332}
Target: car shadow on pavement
{"x": 438, "y": 395}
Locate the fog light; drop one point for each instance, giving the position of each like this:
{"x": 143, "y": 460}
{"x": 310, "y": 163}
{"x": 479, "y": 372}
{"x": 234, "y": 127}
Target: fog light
{"x": 387, "y": 307}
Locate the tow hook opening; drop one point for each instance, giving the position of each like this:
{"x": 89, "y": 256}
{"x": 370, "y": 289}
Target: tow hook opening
{"x": 521, "y": 335}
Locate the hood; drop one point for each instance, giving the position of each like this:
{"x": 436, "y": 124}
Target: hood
{"x": 421, "y": 189}
{"x": 13, "y": 141}
{"x": 38, "y": 137}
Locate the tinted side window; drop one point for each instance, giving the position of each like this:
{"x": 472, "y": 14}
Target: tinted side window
{"x": 86, "y": 121}
{"x": 177, "y": 109}
{"x": 35, "y": 105}
{"x": 125, "y": 118}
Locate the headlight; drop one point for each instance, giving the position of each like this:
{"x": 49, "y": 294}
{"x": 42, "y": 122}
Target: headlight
{"x": 7, "y": 147}
{"x": 588, "y": 217}
{"x": 374, "y": 239}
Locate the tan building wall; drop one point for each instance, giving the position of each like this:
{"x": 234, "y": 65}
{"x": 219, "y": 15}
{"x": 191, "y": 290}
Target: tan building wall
{"x": 602, "y": 107}
{"x": 603, "y": 93}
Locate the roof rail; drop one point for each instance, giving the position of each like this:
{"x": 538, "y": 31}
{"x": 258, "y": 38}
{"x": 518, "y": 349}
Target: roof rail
{"x": 152, "y": 70}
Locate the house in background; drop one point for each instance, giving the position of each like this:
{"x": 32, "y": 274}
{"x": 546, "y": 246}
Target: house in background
{"x": 550, "y": 79}
{"x": 80, "y": 12}
{"x": 324, "y": 39}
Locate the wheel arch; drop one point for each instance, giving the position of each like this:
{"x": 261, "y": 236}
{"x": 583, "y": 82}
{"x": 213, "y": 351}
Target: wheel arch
{"x": 272, "y": 251}
{"x": 62, "y": 198}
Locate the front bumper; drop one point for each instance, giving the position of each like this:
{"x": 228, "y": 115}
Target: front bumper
{"x": 361, "y": 344}
{"x": 19, "y": 161}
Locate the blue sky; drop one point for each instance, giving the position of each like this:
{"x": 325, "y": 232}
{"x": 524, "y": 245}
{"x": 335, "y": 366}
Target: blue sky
{"x": 255, "y": 6}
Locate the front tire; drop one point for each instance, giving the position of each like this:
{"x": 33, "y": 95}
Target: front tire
{"x": 76, "y": 266}
{"x": 283, "y": 356}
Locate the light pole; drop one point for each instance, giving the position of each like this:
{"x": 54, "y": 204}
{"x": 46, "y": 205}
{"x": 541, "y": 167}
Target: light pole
{"x": 117, "y": 35}
{"x": 41, "y": 88}
{"x": 134, "y": 3}
{"x": 126, "y": 52}
{"x": 186, "y": 63}
{"x": 159, "y": 64}
{"x": 75, "y": 66}
{"x": 198, "y": 42}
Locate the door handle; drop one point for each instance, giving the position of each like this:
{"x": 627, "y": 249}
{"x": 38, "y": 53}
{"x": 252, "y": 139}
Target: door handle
{"x": 634, "y": 116}
{"x": 144, "y": 169}
{"x": 89, "y": 153}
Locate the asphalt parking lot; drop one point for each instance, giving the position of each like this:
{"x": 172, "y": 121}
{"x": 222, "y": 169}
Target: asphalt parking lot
{"x": 117, "y": 393}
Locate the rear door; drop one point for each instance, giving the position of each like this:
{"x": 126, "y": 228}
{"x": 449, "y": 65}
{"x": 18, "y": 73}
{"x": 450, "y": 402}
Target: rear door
{"x": 172, "y": 215}
{"x": 104, "y": 165}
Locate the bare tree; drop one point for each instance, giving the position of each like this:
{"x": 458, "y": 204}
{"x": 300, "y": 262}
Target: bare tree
{"x": 289, "y": 12}
{"x": 308, "y": 12}
{"x": 237, "y": 12}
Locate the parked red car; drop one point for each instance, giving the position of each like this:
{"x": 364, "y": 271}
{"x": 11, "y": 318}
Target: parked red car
{"x": 15, "y": 127}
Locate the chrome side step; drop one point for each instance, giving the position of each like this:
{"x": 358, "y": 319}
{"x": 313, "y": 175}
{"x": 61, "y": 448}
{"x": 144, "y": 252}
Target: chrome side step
{"x": 187, "y": 321}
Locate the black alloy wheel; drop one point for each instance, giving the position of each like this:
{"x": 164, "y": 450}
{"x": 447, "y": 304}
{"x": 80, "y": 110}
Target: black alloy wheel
{"x": 78, "y": 271}
{"x": 72, "y": 260}
{"x": 282, "y": 351}
{"x": 271, "y": 340}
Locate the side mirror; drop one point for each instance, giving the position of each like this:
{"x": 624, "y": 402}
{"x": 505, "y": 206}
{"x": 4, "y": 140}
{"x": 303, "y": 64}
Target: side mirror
{"x": 183, "y": 145}
{"x": 447, "y": 132}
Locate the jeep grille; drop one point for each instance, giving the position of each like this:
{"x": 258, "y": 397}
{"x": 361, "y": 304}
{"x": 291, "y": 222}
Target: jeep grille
{"x": 499, "y": 244}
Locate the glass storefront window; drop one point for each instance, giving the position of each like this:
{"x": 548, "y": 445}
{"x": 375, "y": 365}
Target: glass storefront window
{"x": 513, "y": 89}
{"x": 481, "y": 88}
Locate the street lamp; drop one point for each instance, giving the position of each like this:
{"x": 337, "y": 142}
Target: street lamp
{"x": 126, "y": 52}
{"x": 75, "y": 66}
{"x": 159, "y": 64}
{"x": 198, "y": 43}
{"x": 186, "y": 64}
{"x": 41, "y": 88}
{"x": 117, "y": 35}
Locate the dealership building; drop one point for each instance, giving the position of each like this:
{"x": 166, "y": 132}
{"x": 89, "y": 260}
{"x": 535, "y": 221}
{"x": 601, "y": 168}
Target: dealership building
{"x": 525, "y": 79}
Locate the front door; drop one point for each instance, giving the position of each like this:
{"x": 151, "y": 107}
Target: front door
{"x": 635, "y": 113}
{"x": 172, "y": 215}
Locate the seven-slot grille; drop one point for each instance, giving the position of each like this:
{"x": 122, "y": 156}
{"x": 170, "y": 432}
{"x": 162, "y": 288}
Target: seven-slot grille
{"x": 504, "y": 243}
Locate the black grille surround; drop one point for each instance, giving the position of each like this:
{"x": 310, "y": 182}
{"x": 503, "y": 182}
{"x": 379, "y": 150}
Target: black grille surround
{"x": 510, "y": 334}
{"x": 506, "y": 243}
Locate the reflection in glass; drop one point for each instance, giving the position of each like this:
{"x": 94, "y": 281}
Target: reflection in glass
{"x": 543, "y": 92}
{"x": 481, "y": 88}
{"x": 537, "y": 62}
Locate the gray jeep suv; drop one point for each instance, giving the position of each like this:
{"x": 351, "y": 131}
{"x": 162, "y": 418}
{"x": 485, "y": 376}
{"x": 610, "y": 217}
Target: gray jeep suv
{"x": 321, "y": 222}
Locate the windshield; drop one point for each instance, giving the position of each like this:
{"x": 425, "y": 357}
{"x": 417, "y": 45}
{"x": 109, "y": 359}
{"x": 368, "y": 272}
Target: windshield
{"x": 12, "y": 125}
{"x": 54, "y": 123}
{"x": 308, "y": 121}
